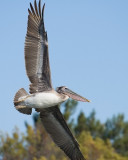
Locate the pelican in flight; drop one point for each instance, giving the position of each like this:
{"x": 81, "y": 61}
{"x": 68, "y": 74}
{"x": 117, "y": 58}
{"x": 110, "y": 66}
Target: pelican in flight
{"x": 42, "y": 96}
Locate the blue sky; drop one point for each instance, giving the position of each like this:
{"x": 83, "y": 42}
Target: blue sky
{"x": 88, "y": 45}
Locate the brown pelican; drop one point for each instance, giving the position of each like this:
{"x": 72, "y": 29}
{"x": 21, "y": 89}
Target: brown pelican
{"x": 42, "y": 96}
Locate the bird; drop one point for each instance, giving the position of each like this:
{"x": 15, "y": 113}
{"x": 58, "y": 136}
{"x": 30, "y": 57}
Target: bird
{"x": 43, "y": 98}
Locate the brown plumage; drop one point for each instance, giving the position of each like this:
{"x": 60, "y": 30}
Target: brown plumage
{"x": 36, "y": 51}
{"x": 42, "y": 93}
{"x": 36, "y": 48}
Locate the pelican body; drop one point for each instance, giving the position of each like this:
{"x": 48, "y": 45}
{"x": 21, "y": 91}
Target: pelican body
{"x": 42, "y": 100}
{"x": 42, "y": 96}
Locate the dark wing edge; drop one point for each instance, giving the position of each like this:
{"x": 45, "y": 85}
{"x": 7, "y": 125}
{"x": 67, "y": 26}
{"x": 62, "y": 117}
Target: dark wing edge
{"x": 36, "y": 51}
{"x": 56, "y": 126}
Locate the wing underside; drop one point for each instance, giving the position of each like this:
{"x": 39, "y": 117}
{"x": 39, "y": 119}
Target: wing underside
{"x": 36, "y": 51}
{"x": 38, "y": 71}
{"x": 56, "y": 126}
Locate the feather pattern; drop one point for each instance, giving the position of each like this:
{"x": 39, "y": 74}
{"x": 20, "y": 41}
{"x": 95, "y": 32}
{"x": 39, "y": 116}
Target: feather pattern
{"x": 56, "y": 126}
{"x": 36, "y": 51}
{"x": 38, "y": 71}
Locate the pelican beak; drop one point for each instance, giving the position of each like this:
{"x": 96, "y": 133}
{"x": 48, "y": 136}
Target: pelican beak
{"x": 74, "y": 95}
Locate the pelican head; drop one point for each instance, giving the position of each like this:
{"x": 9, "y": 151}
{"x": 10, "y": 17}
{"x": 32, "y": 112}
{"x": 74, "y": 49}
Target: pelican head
{"x": 65, "y": 91}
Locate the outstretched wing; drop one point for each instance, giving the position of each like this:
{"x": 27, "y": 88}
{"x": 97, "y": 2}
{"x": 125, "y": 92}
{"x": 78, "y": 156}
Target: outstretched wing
{"x": 36, "y": 51}
{"x": 56, "y": 126}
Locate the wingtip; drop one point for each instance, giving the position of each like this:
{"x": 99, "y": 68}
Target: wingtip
{"x": 39, "y": 7}
{"x": 30, "y": 4}
{"x": 44, "y": 5}
{"x": 29, "y": 11}
{"x": 43, "y": 10}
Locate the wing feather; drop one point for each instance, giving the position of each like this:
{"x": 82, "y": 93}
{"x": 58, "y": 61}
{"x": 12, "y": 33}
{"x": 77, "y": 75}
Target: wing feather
{"x": 56, "y": 126}
{"x": 36, "y": 9}
{"x": 39, "y": 7}
{"x": 36, "y": 51}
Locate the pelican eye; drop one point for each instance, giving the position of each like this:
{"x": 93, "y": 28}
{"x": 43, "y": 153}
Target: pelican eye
{"x": 65, "y": 88}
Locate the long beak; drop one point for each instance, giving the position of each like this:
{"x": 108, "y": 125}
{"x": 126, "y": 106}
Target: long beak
{"x": 74, "y": 95}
